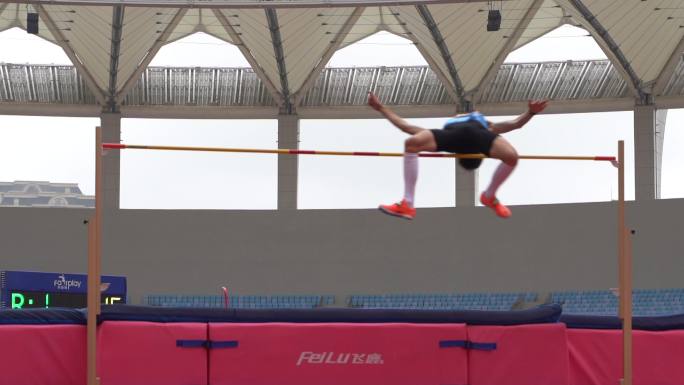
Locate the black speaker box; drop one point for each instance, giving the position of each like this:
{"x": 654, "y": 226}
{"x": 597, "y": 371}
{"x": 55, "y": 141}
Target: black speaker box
{"x": 494, "y": 20}
{"x": 32, "y": 23}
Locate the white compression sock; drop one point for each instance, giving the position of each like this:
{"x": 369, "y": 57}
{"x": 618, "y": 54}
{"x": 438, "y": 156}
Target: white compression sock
{"x": 500, "y": 175}
{"x": 410, "y": 176}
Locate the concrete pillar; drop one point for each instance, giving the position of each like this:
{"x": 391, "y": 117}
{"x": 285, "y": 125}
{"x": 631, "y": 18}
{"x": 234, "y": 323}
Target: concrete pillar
{"x": 649, "y": 132}
{"x": 288, "y": 137}
{"x": 111, "y": 164}
{"x": 466, "y": 186}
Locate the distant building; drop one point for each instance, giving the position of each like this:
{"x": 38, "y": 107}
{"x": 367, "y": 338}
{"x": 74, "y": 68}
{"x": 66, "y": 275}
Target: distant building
{"x": 43, "y": 194}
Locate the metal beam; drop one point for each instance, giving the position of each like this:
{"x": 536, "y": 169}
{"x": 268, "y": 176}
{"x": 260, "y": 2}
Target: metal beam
{"x": 233, "y": 4}
{"x": 64, "y": 43}
{"x": 446, "y": 56}
{"x": 612, "y": 50}
{"x": 114, "y": 54}
{"x": 326, "y": 112}
{"x": 334, "y": 46}
{"x": 277, "y": 41}
{"x": 50, "y": 109}
{"x": 130, "y": 82}
{"x": 669, "y": 102}
{"x": 507, "y": 48}
{"x": 197, "y": 112}
{"x": 237, "y": 40}
{"x": 669, "y": 68}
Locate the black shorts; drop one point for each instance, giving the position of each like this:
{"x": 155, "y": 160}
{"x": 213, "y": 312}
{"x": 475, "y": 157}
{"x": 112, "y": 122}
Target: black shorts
{"x": 464, "y": 138}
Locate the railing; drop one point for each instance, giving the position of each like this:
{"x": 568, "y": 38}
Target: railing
{"x": 164, "y": 86}
{"x": 570, "y": 80}
{"x": 394, "y": 86}
{"x": 56, "y": 84}
{"x": 199, "y": 87}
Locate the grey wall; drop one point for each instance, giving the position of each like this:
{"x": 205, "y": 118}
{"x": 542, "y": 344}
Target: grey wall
{"x": 541, "y": 248}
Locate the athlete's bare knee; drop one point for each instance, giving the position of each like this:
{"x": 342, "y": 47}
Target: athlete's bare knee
{"x": 511, "y": 158}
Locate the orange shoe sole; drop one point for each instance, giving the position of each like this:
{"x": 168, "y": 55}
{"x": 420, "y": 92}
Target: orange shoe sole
{"x": 394, "y": 214}
{"x": 490, "y": 205}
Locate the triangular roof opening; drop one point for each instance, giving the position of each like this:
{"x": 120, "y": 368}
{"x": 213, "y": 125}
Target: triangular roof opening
{"x": 566, "y": 42}
{"x": 200, "y": 50}
{"x": 379, "y": 49}
{"x": 19, "y": 47}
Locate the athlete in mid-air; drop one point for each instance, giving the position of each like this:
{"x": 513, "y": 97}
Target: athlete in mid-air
{"x": 463, "y": 134}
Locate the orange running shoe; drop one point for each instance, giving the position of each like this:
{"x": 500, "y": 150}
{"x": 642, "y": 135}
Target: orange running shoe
{"x": 401, "y": 209}
{"x": 495, "y": 205}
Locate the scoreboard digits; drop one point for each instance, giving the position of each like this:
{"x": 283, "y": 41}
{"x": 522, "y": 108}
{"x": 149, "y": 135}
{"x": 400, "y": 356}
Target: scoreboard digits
{"x": 27, "y": 299}
{"x": 24, "y": 289}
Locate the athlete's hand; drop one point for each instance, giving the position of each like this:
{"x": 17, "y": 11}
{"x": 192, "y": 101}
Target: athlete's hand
{"x": 536, "y": 106}
{"x": 374, "y": 102}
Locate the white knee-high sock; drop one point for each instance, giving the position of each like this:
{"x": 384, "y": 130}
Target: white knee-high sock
{"x": 410, "y": 176}
{"x": 500, "y": 175}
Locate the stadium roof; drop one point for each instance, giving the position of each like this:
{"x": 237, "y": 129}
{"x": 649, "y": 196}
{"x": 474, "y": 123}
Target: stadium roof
{"x": 288, "y": 43}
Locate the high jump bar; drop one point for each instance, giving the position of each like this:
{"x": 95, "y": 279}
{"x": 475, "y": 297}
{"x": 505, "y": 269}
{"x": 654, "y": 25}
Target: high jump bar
{"x": 119, "y": 146}
{"x": 95, "y": 236}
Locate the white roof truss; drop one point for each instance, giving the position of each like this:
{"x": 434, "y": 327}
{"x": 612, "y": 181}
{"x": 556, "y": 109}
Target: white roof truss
{"x": 333, "y": 46}
{"x": 277, "y": 42}
{"x": 237, "y": 40}
{"x": 131, "y": 79}
{"x": 611, "y": 48}
{"x": 61, "y": 40}
{"x": 413, "y": 28}
{"x": 289, "y": 42}
{"x": 669, "y": 69}
{"x": 548, "y": 17}
{"x": 445, "y": 55}
{"x": 511, "y": 43}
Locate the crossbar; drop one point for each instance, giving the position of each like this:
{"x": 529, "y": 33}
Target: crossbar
{"x": 118, "y": 146}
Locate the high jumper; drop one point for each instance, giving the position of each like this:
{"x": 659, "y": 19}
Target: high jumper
{"x": 469, "y": 133}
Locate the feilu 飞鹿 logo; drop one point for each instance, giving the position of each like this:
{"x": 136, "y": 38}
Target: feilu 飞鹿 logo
{"x": 333, "y": 358}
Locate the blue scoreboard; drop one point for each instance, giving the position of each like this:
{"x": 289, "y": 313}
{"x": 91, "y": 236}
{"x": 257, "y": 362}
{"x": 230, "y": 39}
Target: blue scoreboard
{"x": 27, "y": 289}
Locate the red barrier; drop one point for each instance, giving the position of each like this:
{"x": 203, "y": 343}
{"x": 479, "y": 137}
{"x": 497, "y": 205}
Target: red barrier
{"x": 596, "y": 357}
{"x": 524, "y": 355}
{"x": 336, "y": 354}
{"x": 43, "y": 354}
{"x": 146, "y": 353}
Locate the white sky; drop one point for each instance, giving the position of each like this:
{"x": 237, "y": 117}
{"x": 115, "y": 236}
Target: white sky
{"x": 195, "y": 180}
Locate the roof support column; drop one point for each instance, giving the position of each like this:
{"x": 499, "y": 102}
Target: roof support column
{"x": 466, "y": 186}
{"x": 111, "y": 164}
{"x": 649, "y": 132}
{"x": 288, "y": 137}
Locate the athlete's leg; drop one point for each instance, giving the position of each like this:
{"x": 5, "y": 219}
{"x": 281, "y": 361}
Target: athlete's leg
{"x": 505, "y": 152}
{"x": 422, "y": 140}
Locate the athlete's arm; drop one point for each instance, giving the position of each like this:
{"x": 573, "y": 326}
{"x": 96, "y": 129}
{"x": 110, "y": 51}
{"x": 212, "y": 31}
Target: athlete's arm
{"x": 533, "y": 107}
{"x": 397, "y": 120}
